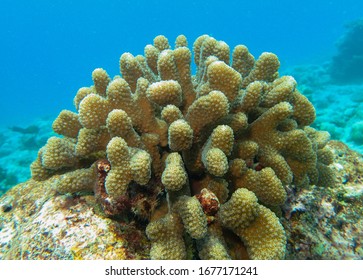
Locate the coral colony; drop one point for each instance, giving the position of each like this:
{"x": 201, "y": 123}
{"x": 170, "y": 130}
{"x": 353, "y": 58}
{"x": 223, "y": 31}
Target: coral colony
{"x": 201, "y": 160}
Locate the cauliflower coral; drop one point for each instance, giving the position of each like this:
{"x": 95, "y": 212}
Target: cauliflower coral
{"x": 199, "y": 158}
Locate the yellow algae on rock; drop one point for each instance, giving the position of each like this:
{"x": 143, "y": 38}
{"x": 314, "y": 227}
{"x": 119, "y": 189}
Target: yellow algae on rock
{"x": 43, "y": 225}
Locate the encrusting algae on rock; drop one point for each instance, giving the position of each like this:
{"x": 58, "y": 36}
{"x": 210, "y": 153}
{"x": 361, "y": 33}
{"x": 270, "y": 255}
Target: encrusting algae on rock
{"x": 199, "y": 160}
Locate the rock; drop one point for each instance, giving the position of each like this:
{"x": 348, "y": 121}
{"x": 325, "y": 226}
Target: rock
{"x": 36, "y": 223}
{"x": 329, "y": 225}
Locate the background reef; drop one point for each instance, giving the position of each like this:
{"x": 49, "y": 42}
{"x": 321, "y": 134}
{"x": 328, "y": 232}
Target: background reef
{"x": 18, "y": 145}
{"x": 346, "y": 65}
{"x": 203, "y": 161}
{"x": 335, "y": 87}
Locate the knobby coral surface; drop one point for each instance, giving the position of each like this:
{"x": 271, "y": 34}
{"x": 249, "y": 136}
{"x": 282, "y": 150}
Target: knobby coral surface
{"x": 202, "y": 160}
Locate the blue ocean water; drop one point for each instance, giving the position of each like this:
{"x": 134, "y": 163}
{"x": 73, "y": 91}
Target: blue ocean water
{"x": 49, "y": 48}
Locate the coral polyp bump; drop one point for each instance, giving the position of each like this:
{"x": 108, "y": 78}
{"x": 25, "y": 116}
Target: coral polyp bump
{"x": 197, "y": 158}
